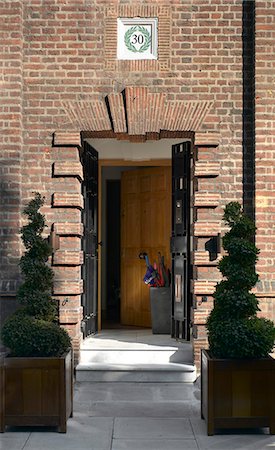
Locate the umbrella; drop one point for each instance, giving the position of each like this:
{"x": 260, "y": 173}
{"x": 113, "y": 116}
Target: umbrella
{"x": 151, "y": 276}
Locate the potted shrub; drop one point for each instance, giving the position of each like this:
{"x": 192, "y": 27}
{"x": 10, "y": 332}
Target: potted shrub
{"x": 36, "y": 374}
{"x": 237, "y": 373}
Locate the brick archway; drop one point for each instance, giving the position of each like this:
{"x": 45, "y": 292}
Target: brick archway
{"x": 135, "y": 115}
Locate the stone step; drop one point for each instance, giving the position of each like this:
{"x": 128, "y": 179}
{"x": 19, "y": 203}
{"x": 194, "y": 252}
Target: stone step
{"x": 136, "y": 356}
{"x": 150, "y": 373}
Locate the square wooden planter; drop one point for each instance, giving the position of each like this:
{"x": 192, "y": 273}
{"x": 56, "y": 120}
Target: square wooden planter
{"x": 237, "y": 393}
{"x": 36, "y": 391}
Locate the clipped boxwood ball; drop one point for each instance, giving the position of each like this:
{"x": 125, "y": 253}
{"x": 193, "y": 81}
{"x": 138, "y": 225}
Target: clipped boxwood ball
{"x": 27, "y": 336}
{"x": 241, "y": 338}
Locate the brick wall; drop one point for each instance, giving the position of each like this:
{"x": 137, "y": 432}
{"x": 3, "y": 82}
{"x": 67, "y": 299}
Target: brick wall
{"x": 69, "y": 67}
{"x": 265, "y": 151}
{"x": 11, "y": 140}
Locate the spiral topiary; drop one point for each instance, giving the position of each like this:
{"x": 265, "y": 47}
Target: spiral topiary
{"x": 33, "y": 329}
{"x": 234, "y": 330}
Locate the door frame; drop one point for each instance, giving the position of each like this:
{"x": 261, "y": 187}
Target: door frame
{"x": 117, "y": 163}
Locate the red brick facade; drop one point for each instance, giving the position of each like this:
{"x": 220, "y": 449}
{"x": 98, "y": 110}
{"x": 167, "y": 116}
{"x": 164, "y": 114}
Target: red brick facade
{"x": 59, "y": 66}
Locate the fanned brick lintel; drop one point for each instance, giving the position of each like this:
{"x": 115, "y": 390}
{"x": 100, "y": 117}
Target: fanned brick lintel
{"x": 185, "y": 115}
{"x": 144, "y": 110}
{"x": 141, "y": 112}
{"x": 68, "y": 258}
{"x": 88, "y": 114}
{"x": 207, "y": 228}
{"x": 64, "y": 138}
{"x": 68, "y": 200}
{"x": 136, "y": 101}
{"x": 68, "y": 169}
{"x": 206, "y": 199}
{"x": 118, "y": 112}
{"x": 152, "y": 112}
{"x": 206, "y": 169}
{"x": 68, "y": 228}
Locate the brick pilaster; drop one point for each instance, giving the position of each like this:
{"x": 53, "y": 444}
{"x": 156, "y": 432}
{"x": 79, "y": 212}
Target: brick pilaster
{"x": 264, "y": 150}
{"x": 67, "y": 202}
{"x": 206, "y": 230}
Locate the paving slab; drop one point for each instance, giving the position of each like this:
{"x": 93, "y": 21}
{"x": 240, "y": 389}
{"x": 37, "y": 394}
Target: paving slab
{"x": 250, "y": 439}
{"x": 12, "y": 443}
{"x": 142, "y": 409}
{"x": 153, "y": 428}
{"x": 154, "y": 444}
{"x": 135, "y": 416}
{"x": 84, "y": 432}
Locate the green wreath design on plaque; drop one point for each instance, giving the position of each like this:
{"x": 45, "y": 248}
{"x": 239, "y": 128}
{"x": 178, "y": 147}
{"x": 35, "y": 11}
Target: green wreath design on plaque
{"x": 144, "y": 32}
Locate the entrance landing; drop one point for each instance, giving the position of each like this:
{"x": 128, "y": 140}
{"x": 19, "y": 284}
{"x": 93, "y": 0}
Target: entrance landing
{"x": 135, "y": 355}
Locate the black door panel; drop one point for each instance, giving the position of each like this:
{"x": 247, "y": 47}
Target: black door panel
{"x": 180, "y": 240}
{"x": 90, "y": 240}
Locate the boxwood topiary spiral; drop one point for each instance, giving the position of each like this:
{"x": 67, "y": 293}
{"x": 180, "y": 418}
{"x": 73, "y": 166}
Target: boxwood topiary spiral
{"x": 33, "y": 329}
{"x": 234, "y": 330}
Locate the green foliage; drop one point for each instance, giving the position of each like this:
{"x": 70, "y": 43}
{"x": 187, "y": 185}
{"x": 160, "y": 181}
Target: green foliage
{"x": 234, "y": 330}
{"x": 27, "y": 336}
{"x": 31, "y": 331}
{"x": 234, "y": 302}
{"x": 240, "y": 338}
{"x": 38, "y": 303}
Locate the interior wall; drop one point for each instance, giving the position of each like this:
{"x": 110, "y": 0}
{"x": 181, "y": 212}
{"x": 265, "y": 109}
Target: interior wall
{"x": 130, "y": 151}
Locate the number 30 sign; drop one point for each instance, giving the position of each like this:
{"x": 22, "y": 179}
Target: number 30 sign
{"x": 137, "y": 38}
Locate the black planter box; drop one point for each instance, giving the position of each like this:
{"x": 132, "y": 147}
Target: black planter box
{"x": 160, "y": 299}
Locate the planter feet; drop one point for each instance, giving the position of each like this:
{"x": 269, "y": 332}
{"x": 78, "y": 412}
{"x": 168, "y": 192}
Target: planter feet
{"x": 62, "y": 428}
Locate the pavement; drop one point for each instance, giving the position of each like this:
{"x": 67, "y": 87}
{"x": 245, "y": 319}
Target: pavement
{"x": 135, "y": 416}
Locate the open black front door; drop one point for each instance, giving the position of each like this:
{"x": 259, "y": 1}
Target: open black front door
{"x": 180, "y": 241}
{"x": 90, "y": 239}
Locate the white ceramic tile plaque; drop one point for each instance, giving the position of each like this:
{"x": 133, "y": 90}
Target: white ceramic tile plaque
{"x": 137, "y": 38}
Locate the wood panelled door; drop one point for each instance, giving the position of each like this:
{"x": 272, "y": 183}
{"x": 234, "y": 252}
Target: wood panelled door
{"x": 145, "y": 227}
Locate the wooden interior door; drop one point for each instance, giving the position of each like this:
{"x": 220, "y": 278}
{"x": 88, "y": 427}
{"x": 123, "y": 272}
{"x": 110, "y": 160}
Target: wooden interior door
{"x": 145, "y": 227}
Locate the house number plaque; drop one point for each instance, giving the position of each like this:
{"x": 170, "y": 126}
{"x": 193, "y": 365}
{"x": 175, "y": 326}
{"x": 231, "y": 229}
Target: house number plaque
{"x": 137, "y": 38}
